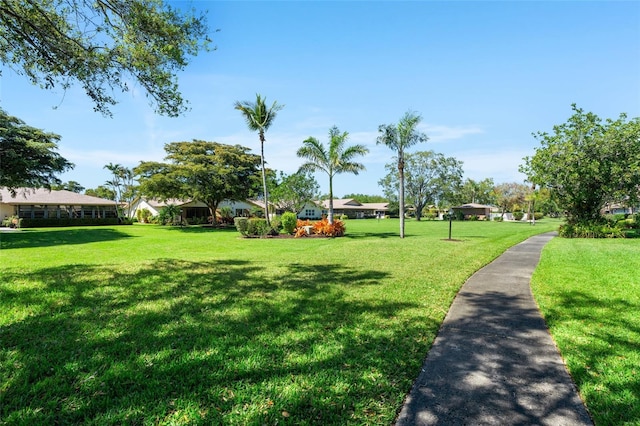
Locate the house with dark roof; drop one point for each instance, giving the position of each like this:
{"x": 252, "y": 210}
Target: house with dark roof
{"x": 355, "y": 209}
{"x": 481, "y": 211}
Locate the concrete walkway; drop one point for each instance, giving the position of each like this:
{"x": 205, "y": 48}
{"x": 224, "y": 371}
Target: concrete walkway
{"x": 494, "y": 362}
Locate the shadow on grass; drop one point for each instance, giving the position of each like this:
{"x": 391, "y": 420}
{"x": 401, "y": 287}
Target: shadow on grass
{"x": 604, "y": 339}
{"x": 59, "y": 236}
{"x": 206, "y": 342}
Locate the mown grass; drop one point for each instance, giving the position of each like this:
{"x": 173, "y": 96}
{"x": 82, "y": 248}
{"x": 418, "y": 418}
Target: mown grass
{"x": 153, "y": 325}
{"x": 589, "y": 293}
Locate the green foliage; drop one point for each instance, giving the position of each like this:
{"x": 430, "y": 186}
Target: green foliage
{"x": 289, "y": 221}
{"x": 364, "y": 198}
{"x": 518, "y": 215}
{"x": 343, "y": 217}
{"x": 538, "y": 215}
{"x": 101, "y": 192}
{"x": 12, "y": 222}
{"x": 103, "y": 46}
{"x": 225, "y": 215}
{"x": 480, "y": 192}
{"x": 143, "y": 215}
{"x": 123, "y": 186}
{"x": 28, "y": 155}
{"x": 590, "y": 229}
{"x": 292, "y": 192}
{"x": 65, "y": 222}
{"x": 209, "y": 172}
{"x": 332, "y": 160}
{"x": 509, "y": 196}
{"x": 258, "y": 227}
{"x": 587, "y": 162}
{"x": 430, "y": 178}
{"x": 72, "y": 186}
{"x": 242, "y": 225}
{"x": 169, "y": 215}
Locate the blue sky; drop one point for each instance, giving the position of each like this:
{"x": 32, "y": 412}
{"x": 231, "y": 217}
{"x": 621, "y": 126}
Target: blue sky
{"x": 483, "y": 75}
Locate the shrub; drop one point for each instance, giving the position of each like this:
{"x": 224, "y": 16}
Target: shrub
{"x": 344, "y": 217}
{"x": 590, "y": 230}
{"x": 258, "y": 227}
{"x": 54, "y": 222}
{"x": 518, "y": 215}
{"x": 242, "y": 225}
{"x": 276, "y": 225}
{"x": 474, "y": 218}
{"x": 498, "y": 219}
{"x": 224, "y": 215}
{"x": 143, "y": 215}
{"x": 289, "y": 222}
{"x": 538, "y": 215}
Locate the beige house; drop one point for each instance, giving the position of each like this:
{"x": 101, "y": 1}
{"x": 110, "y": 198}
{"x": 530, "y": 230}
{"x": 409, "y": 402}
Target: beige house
{"x": 194, "y": 209}
{"x": 45, "y": 204}
{"x": 472, "y": 209}
{"x": 355, "y": 209}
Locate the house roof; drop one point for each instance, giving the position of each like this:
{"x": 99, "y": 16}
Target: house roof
{"x": 472, "y": 206}
{"x": 30, "y": 196}
{"x": 351, "y": 204}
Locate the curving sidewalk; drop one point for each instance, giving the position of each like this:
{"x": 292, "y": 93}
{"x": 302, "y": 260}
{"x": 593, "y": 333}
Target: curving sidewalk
{"x": 493, "y": 361}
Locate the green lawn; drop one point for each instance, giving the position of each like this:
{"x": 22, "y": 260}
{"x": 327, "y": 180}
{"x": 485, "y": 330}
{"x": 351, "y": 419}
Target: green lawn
{"x": 589, "y": 292}
{"x": 153, "y": 325}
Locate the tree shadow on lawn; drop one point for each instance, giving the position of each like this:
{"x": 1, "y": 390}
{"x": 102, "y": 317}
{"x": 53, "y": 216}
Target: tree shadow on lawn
{"x": 209, "y": 342}
{"x": 612, "y": 399}
{"x": 60, "y": 236}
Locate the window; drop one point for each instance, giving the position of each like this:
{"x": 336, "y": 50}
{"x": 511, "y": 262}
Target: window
{"x": 309, "y": 213}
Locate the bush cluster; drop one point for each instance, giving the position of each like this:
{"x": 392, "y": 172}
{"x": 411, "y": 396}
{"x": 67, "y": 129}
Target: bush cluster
{"x": 321, "y": 227}
{"x": 256, "y": 226}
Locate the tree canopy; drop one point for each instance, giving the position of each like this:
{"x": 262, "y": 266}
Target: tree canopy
{"x": 28, "y": 155}
{"x": 473, "y": 191}
{"x": 292, "y": 192}
{"x": 335, "y": 159}
{"x": 103, "y": 45}
{"x": 209, "y": 172}
{"x": 587, "y": 162}
{"x": 430, "y": 178}
{"x": 72, "y": 186}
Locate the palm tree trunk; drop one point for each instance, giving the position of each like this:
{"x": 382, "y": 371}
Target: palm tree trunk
{"x": 330, "y": 217}
{"x": 401, "y": 194}
{"x": 264, "y": 181}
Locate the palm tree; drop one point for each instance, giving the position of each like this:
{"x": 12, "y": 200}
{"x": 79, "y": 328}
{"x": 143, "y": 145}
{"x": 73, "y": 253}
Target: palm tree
{"x": 337, "y": 159}
{"x": 399, "y": 137}
{"x": 259, "y": 118}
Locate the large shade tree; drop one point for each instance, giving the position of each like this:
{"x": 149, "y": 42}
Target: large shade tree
{"x": 259, "y": 117}
{"x": 28, "y": 155}
{"x": 472, "y": 191}
{"x": 292, "y": 192}
{"x": 209, "y": 172}
{"x": 102, "y": 45}
{"x": 430, "y": 178}
{"x": 399, "y": 137}
{"x": 336, "y": 158}
{"x": 587, "y": 162}
{"x": 510, "y": 196}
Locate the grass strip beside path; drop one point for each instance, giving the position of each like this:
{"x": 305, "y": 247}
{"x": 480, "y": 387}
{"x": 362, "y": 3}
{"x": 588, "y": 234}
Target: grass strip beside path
{"x": 589, "y": 293}
{"x": 153, "y": 325}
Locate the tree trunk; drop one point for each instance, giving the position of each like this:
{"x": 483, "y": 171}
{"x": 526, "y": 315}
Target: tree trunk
{"x": 401, "y": 193}
{"x": 330, "y": 216}
{"x": 264, "y": 180}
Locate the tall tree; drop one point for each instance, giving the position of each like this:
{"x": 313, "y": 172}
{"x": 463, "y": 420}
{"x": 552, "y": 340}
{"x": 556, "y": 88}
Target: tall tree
{"x": 364, "y": 198}
{"x": 480, "y": 192}
{"x": 510, "y": 194}
{"x": 259, "y": 118}
{"x": 430, "y": 178}
{"x": 399, "y": 137}
{"x": 209, "y": 172}
{"x": 293, "y": 192}
{"x": 101, "y": 192}
{"x": 28, "y": 155}
{"x": 72, "y": 186}
{"x": 123, "y": 185}
{"x": 103, "y": 45}
{"x": 587, "y": 163}
{"x": 335, "y": 159}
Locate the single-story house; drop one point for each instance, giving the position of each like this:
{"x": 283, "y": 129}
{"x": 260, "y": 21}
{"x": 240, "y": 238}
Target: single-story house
{"x": 194, "y": 209}
{"x": 482, "y": 211}
{"x": 311, "y": 211}
{"x": 355, "y": 209}
{"x": 41, "y": 203}
{"x": 617, "y": 208}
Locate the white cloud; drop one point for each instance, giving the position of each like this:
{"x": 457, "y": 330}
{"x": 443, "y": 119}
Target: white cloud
{"x": 439, "y": 133}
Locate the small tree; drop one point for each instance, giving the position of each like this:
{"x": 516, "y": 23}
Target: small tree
{"x": 294, "y": 191}
{"x": 587, "y": 162}
{"x": 399, "y": 137}
{"x": 337, "y": 159}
